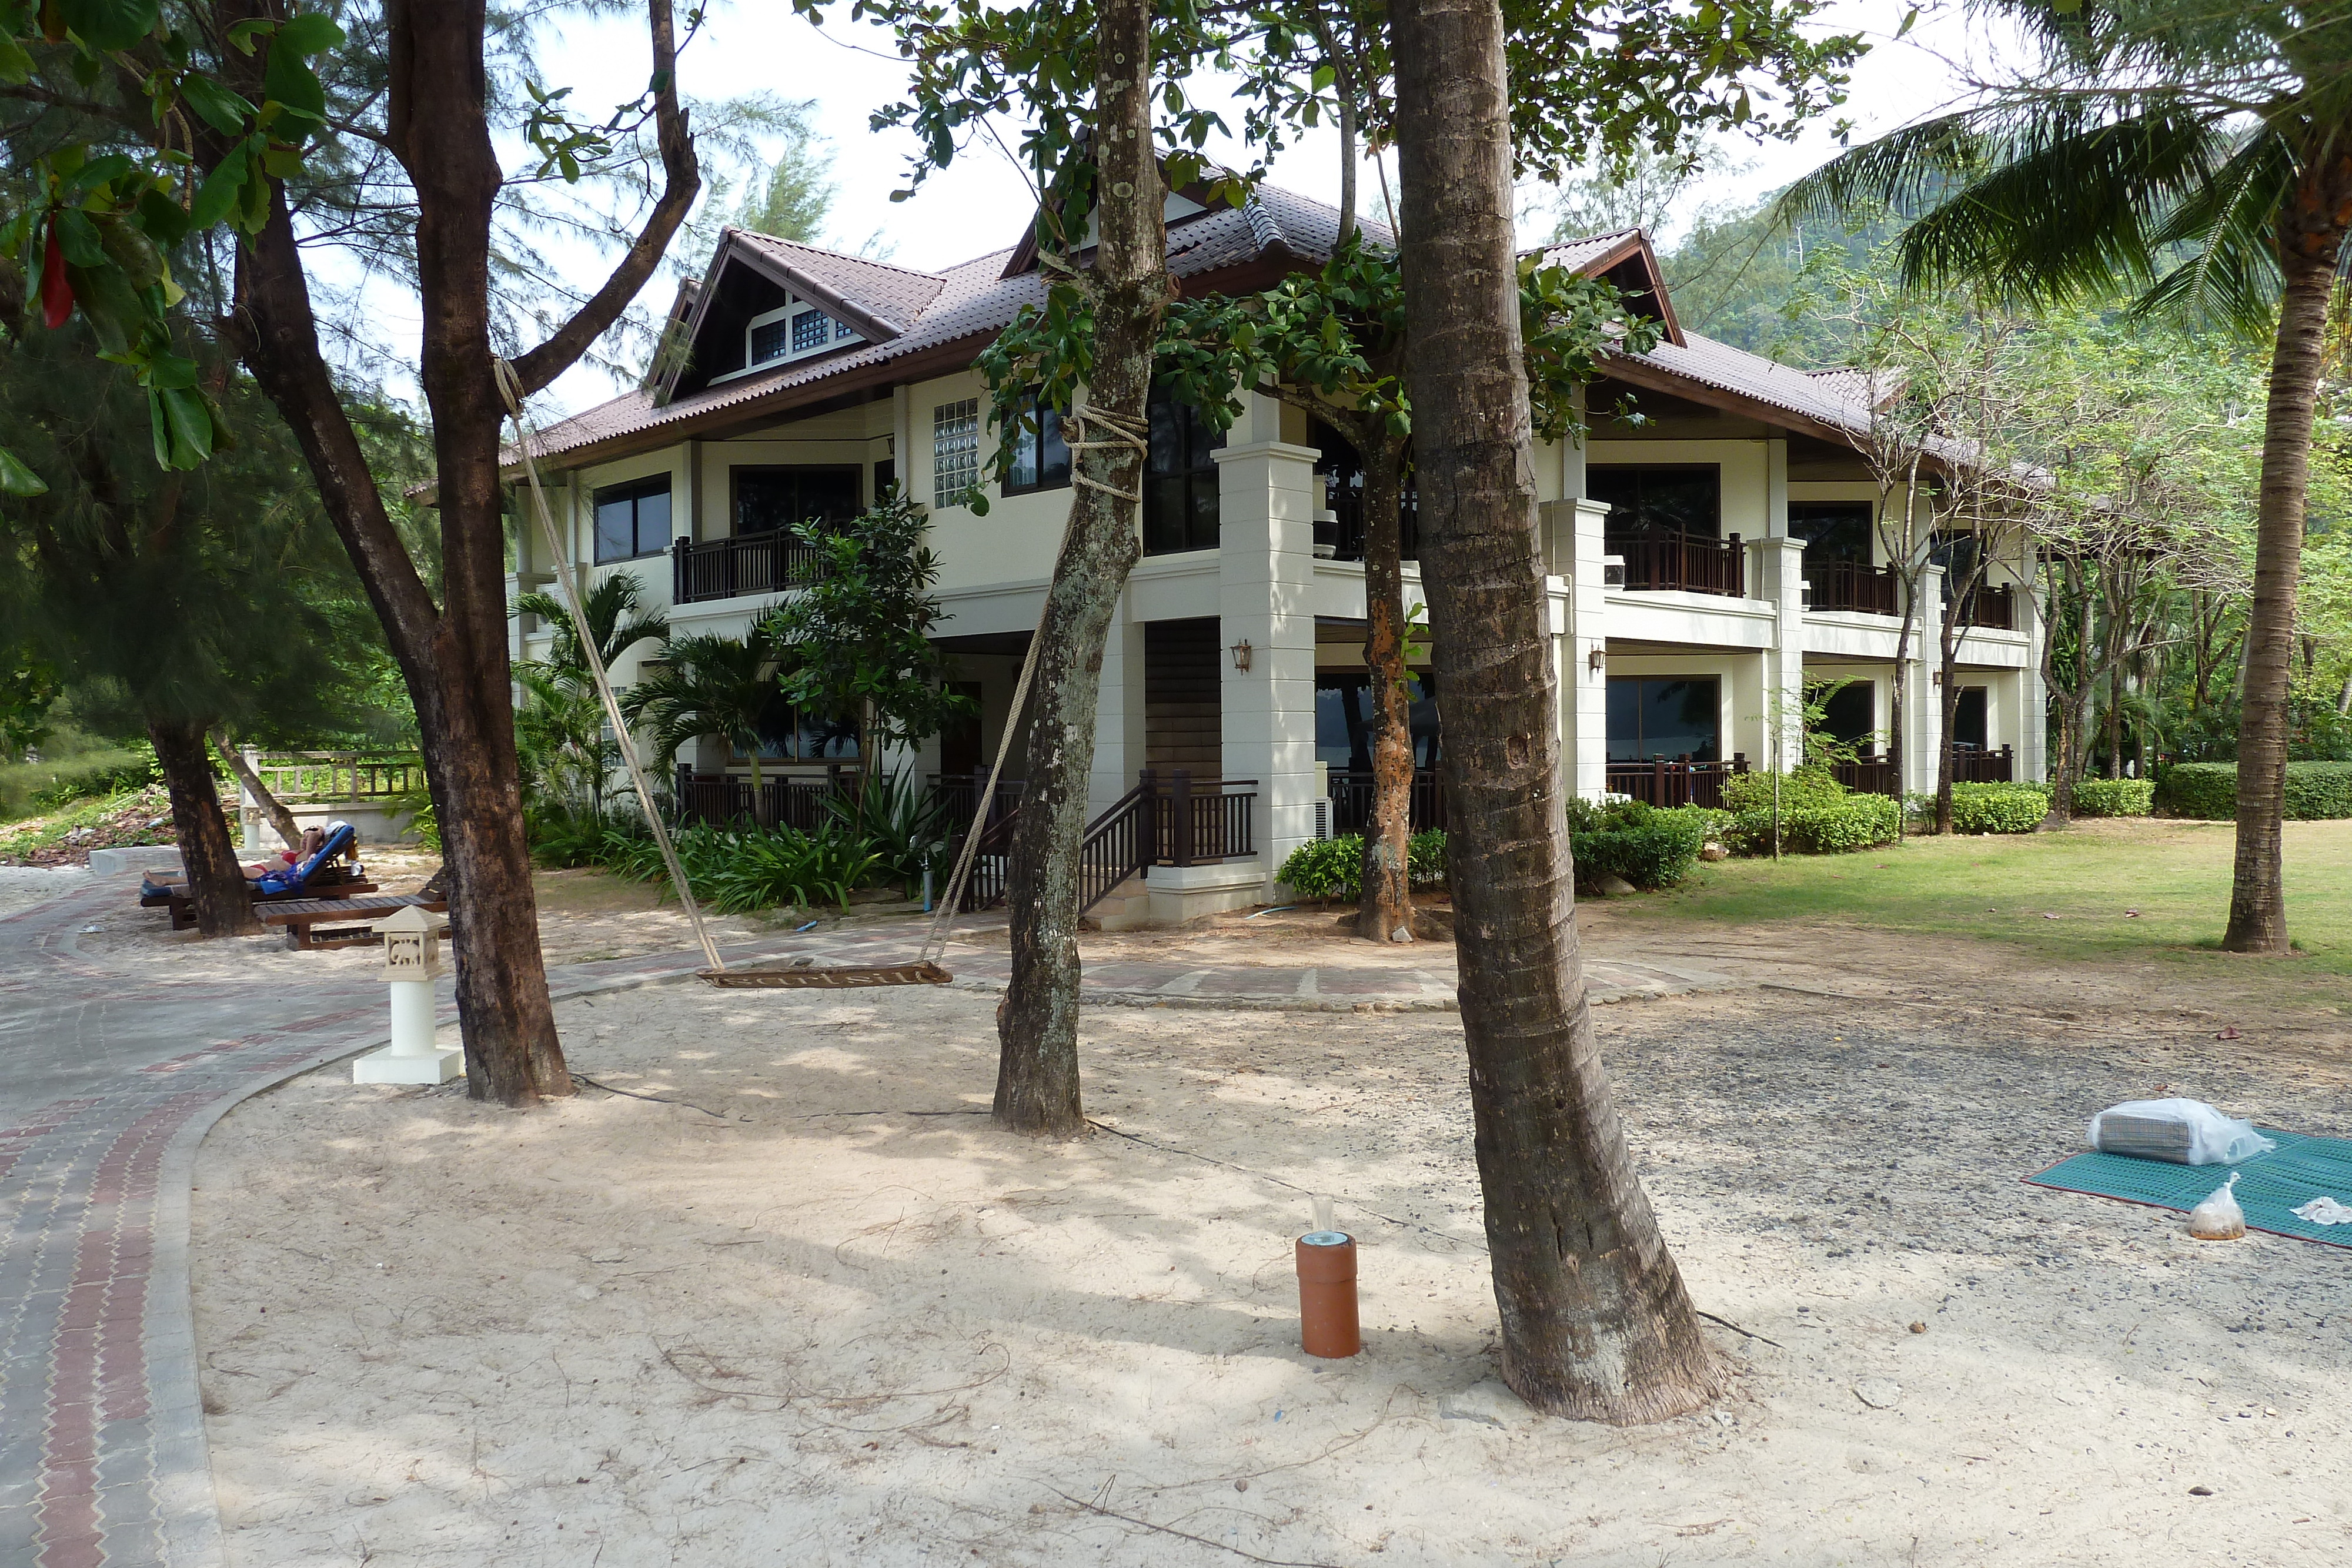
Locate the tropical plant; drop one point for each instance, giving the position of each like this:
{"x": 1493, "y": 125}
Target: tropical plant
{"x": 2201, "y": 158}
{"x": 707, "y": 683}
{"x": 611, "y": 611}
{"x": 906, "y": 826}
{"x": 563, "y": 737}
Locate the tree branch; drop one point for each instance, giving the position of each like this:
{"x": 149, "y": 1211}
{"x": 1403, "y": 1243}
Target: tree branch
{"x": 682, "y": 180}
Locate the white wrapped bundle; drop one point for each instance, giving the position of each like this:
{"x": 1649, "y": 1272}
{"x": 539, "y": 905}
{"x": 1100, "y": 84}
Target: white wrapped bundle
{"x": 2186, "y": 1131}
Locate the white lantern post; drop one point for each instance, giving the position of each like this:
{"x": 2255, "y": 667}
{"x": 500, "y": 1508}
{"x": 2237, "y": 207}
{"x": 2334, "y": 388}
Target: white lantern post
{"x": 412, "y": 961}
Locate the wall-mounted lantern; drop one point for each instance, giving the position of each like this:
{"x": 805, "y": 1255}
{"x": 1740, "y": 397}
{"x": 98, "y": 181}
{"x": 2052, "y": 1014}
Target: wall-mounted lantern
{"x": 1594, "y": 660}
{"x": 1241, "y": 652}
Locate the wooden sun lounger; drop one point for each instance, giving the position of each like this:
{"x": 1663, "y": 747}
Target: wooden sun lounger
{"x": 184, "y": 906}
{"x": 327, "y": 881}
{"x": 304, "y": 918}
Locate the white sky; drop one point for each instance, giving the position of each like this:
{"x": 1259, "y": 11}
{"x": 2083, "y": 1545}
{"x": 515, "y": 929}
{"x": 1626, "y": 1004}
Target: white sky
{"x": 982, "y": 202}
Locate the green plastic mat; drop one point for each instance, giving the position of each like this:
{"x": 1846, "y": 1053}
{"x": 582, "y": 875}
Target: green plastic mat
{"x": 2269, "y": 1185}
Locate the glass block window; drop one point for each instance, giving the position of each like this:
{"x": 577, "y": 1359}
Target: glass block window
{"x": 955, "y": 449}
{"x": 768, "y": 341}
{"x": 842, "y": 331}
{"x": 811, "y": 330}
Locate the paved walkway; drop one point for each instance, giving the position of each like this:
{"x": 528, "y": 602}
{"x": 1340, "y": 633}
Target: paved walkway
{"x": 109, "y": 1079}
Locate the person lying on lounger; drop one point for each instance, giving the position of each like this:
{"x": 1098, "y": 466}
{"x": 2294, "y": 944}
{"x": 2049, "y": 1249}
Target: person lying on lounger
{"x": 312, "y": 839}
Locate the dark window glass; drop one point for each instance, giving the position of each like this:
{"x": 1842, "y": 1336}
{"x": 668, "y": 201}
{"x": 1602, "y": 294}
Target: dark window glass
{"x": 1956, "y": 554}
{"x": 1653, "y": 501}
{"x": 811, "y": 330}
{"x": 1180, "y": 479}
{"x": 767, "y": 340}
{"x": 1668, "y": 718}
{"x": 767, "y": 499}
{"x": 1041, "y": 458}
{"x": 886, "y": 478}
{"x": 633, "y": 520}
{"x": 1832, "y": 530}
{"x": 1968, "y": 729}
{"x": 1851, "y": 714}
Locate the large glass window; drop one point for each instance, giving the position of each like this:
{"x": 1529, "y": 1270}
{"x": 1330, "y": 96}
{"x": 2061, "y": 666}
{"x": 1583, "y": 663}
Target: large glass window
{"x": 1850, "y": 714}
{"x": 1180, "y": 479}
{"x": 769, "y": 499}
{"x": 1970, "y": 730}
{"x": 1343, "y": 721}
{"x": 1041, "y": 458}
{"x": 786, "y": 736}
{"x": 1832, "y": 530}
{"x": 1668, "y": 717}
{"x": 1956, "y": 554}
{"x": 1650, "y": 501}
{"x": 955, "y": 451}
{"x": 633, "y": 520}
{"x": 1342, "y": 473}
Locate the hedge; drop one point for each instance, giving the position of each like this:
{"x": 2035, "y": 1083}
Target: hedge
{"x": 1647, "y": 847}
{"x": 2115, "y": 797}
{"x": 1997, "y": 807}
{"x": 2314, "y": 790}
{"x": 1745, "y": 792}
{"x": 1854, "y": 822}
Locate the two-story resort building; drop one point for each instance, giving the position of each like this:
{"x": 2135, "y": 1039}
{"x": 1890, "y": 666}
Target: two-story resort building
{"x": 1707, "y": 560}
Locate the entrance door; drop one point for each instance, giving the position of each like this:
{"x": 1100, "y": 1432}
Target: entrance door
{"x": 959, "y": 750}
{"x": 1968, "y": 726}
{"x": 1184, "y": 714}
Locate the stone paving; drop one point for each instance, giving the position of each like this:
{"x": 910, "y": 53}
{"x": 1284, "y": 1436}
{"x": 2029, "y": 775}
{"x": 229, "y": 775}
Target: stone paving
{"x": 109, "y": 1079}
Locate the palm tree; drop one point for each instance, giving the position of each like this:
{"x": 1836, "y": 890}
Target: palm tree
{"x": 2199, "y": 157}
{"x": 609, "y": 602}
{"x": 708, "y": 684}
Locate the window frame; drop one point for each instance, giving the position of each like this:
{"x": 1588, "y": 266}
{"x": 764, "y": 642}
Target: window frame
{"x": 1193, "y": 480}
{"x": 956, "y": 411}
{"x": 1620, "y": 525}
{"x": 793, "y": 308}
{"x": 1640, "y": 684}
{"x": 1031, "y": 408}
{"x": 632, "y": 491}
{"x": 736, "y": 472}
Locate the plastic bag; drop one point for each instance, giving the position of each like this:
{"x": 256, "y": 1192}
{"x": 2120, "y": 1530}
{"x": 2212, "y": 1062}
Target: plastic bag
{"x": 2186, "y": 1131}
{"x": 2219, "y": 1218}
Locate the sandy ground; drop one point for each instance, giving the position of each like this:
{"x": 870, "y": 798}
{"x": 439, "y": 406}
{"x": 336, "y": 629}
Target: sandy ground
{"x": 22, "y": 886}
{"x": 816, "y": 1312}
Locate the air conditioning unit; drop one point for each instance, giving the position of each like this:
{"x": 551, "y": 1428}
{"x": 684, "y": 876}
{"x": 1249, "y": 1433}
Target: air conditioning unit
{"x": 1804, "y": 596}
{"x": 1322, "y": 819}
{"x": 1613, "y": 571}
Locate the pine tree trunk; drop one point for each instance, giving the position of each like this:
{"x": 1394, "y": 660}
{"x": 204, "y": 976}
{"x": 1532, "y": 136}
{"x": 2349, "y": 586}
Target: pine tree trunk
{"x": 1037, "y": 1030}
{"x": 1384, "y": 902}
{"x": 216, "y": 885}
{"x": 1595, "y": 1320}
{"x": 2258, "y": 889}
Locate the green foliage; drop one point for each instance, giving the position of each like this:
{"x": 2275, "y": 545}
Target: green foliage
{"x": 2316, "y": 791}
{"x": 424, "y": 817}
{"x": 1819, "y": 828}
{"x": 798, "y": 191}
{"x": 705, "y": 684}
{"x": 730, "y": 870}
{"x": 1997, "y": 807}
{"x": 563, "y": 737}
{"x": 1326, "y": 868}
{"x": 904, "y": 824}
{"x": 2114, "y": 797}
{"x": 1807, "y": 787}
{"x": 1648, "y": 847}
{"x": 856, "y": 640}
{"x": 1424, "y": 857}
{"x": 91, "y": 771}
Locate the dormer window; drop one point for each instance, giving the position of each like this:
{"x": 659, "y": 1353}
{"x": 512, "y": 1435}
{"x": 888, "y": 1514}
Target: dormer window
{"x": 799, "y": 329}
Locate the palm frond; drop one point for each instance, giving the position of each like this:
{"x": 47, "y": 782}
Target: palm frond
{"x": 2230, "y": 275}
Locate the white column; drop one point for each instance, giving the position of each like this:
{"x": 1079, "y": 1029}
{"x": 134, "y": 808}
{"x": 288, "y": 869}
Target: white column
{"x": 1780, "y": 579}
{"x": 1923, "y": 725}
{"x": 1571, "y": 533}
{"x": 1265, "y": 566}
{"x": 1118, "y": 714}
{"x": 2033, "y": 698}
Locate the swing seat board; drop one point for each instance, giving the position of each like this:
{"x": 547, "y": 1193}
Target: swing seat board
{"x": 821, "y": 979}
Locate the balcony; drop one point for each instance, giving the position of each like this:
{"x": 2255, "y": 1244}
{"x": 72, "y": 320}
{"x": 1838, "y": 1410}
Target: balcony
{"x": 790, "y": 800}
{"x": 1677, "y": 782}
{"x": 705, "y": 570}
{"x": 1351, "y": 792}
{"x": 1988, "y": 606}
{"x": 1852, "y": 586}
{"x": 1683, "y": 563}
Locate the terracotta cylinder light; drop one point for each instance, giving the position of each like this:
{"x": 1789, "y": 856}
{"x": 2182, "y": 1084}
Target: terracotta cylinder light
{"x": 1327, "y": 1290}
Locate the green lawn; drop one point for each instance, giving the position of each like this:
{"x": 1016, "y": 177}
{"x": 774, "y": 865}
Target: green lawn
{"x": 2176, "y": 875}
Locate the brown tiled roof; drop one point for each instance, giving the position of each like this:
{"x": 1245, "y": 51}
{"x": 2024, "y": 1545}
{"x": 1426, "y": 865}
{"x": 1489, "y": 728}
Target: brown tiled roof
{"x": 896, "y": 294}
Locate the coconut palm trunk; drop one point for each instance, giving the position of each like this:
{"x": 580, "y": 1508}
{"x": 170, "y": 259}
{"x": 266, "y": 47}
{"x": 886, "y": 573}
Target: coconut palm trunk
{"x": 2258, "y": 883}
{"x": 1595, "y": 1320}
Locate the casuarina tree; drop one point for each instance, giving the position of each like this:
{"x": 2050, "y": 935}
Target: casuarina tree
{"x": 280, "y": 129}
{"x": 2201, "y": 158}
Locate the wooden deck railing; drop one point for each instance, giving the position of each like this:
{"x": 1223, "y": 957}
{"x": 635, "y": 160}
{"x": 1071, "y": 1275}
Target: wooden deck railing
{"x": 1684, "y": 562}
{"x": 297, "y": 775}
{"x": 770, "y": 562}
{"x": 1970, "y": 766}
{"x": 1351, "y": 792}
{"x": 1677, "y": 782}
{"x": 1993, "y": 606}
{"x": 1867, "y": 775}
{"x": 791, "y": 801}
{"x": 1170, "y": 820}
{"x": 1853, "y": 586}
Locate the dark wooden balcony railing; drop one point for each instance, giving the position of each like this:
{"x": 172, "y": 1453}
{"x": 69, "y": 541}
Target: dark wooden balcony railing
{"x": 1991, "y": 606}
{"x": 1684, "y": 562}
{"x": 703, "y": 570}
{"x": 1677, "y": 782}
{"x": 1351, "y": 800}
{"x": 1870, "y": 775}
{"x": 958, "y": 797}
{"x": 1853, "y": 586}
{"x": 1973, "y": 766}
{"x": 791, "y": 801}
{"x": 1172, "y": 821}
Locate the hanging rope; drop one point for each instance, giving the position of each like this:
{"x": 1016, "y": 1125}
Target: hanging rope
{"x": 511, "y": 388}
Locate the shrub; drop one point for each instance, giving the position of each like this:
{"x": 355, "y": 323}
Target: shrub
{"x": 1424, "y": 857}
{"x": 2115, "y": 797}
{"x": 1997, "y": 807}
{"x": 1326, "y": 868}
{"x": 2314, "y": 790}
{"x": 1648, "y": 848}
{"x": 1856, "y": 823}
{"x": 1743, "y": 792}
